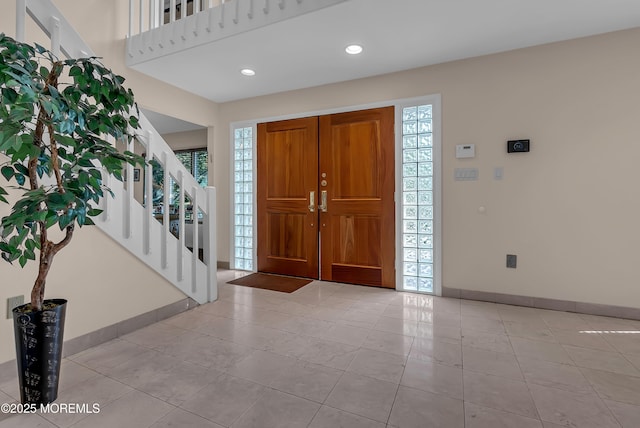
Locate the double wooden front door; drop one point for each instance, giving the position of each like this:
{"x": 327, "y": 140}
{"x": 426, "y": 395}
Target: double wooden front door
{"x": 325, "y": 197}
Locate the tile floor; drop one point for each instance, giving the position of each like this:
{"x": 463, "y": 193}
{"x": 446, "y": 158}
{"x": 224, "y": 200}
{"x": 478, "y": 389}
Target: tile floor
{"x": 334, "y": 355}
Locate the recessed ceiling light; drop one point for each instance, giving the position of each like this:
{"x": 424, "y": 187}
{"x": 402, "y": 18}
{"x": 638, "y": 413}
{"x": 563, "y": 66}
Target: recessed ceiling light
{"x": 353, "y": 49}
{"x": 247, "y": 72}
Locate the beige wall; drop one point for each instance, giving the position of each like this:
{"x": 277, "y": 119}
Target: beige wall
{"x": 187, "y": 140}
{"x": 569, "y": 209}
{"x": 98, "y": 294}
{"x": 83, "y": 273}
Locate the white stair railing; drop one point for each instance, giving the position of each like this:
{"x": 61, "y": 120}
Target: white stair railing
{"x": 133, "y": 224}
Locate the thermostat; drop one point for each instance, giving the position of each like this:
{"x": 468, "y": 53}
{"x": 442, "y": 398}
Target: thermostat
{"x": 465, "y": 151}
{"x": 515, "y": 146}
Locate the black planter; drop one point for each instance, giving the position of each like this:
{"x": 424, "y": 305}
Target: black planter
{"x": 39, "y": 350}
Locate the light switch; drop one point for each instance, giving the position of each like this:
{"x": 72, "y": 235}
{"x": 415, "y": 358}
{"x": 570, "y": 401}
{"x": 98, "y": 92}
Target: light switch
{"x": 466, "y": 174}
{"x": 498, "y": 172}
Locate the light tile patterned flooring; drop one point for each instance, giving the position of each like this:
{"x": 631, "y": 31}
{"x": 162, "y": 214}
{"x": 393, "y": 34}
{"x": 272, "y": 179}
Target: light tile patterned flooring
{"x": 334, "y": 355}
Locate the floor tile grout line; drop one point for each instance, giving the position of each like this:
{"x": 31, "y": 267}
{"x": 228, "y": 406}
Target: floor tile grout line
{"x": 594, "y": 391}
{"x": 395, "y": 397}
{"x": 524, "y": 378}
{"x": 612, "y": 412}
{"x": 464, "y": 407}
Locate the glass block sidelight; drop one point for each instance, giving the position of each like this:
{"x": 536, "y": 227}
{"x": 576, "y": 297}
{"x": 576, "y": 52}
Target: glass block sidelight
{"x": 417, "y": 198}
{"x": 243, "y": 198}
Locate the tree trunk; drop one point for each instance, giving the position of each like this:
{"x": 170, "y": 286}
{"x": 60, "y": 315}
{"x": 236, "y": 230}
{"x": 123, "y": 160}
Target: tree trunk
{"x": 37, "y": 293}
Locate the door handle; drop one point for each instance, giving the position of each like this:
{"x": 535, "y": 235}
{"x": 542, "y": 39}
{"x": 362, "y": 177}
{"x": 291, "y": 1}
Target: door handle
{"x": 312, "y": 201}
{"x": 323, "y": 201}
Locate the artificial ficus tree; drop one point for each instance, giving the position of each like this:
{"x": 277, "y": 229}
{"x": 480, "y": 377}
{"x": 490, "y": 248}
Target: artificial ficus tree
{"x": 58, "y": 122}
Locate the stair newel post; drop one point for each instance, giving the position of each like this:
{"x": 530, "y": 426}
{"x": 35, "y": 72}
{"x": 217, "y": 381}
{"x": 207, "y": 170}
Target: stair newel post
{"x": 166, "y": 219}
{"x": 181, "y": 234}
{"x": 210, "y": 248}
{"x": 148, "y": 193}
{"x": 194, "y": 240}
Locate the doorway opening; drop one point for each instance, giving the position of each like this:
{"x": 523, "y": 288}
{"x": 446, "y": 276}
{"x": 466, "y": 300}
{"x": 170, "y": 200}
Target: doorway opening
{"x": 325, "y": 197}
{"x": 416, "y": 244}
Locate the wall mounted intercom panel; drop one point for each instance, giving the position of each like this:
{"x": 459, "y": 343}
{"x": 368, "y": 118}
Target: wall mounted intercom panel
{"x": 517, "y": 146}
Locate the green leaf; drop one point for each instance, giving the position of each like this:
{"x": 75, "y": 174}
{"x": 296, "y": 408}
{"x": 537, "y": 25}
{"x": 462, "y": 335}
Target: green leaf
{"x": 30, "y": 244}
{"x": 9, "y": 95}
{"x": 51, "y": 220}
{"x": 7, "y": 172}
{"x": 21, "y": 169}
{"x": 6, "y": 232}
{"x": 29, "y": 254}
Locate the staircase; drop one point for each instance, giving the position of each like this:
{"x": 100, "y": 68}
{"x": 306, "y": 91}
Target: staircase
{"x": 133, "y": 225}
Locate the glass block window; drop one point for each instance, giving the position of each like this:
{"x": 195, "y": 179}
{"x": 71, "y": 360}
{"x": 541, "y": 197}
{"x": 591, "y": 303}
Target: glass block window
{"x": 417, "y": 198}
{"x": 243, "y": 199}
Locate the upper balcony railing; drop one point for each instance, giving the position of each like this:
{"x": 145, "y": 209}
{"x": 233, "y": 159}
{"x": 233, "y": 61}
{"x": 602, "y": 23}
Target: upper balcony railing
{"x": 156, "y": 13}
{"x": 163, "y": 27}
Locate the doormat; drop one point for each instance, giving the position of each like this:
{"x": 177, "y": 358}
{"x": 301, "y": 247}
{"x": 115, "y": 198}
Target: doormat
{"x": 284, "y": 284}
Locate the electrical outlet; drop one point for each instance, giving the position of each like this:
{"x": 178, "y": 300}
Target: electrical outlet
{"x": 512, "y": 261}
{"x": 13, "y": 302}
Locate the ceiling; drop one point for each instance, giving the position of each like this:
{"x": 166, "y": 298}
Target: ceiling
{"x": 168, "y": 125}
{"x": 396, "y": 35}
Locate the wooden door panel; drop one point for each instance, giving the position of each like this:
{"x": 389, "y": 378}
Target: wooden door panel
{"x": 287, "y": 173}
{"x": 355, "y": 160}
{"x": 357, "y": 240}
{"x": 357, "y": 231}
{"x": 357, "y": 256}
{"x": 286, "y": 164}
{"x": 285, "y": 232}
